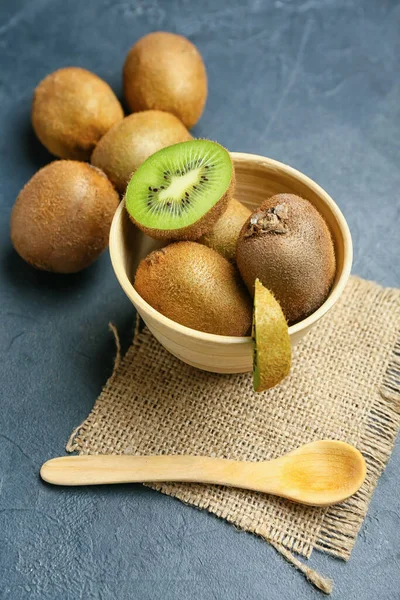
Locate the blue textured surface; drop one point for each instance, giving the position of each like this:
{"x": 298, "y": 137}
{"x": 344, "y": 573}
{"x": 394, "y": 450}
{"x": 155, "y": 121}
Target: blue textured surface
{"x": 312, "y": 83}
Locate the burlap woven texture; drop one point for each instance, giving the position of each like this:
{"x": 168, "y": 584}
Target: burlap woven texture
{"x": 344, "y": 385}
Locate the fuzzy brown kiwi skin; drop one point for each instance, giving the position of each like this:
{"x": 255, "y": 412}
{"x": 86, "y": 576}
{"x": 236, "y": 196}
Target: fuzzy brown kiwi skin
{"x": 225, "y": 232}
{"x": 196, "y": 230}
{"x": 195, "y": 286}
{"x": 62, "y": 217}
{"x": 293, "y": 255}
{"x": 130, "y": 141}
{"x": 165, "y": 71}
{"x": 72, "y": 109}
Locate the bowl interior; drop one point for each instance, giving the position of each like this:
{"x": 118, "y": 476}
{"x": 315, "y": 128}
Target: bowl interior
{"x": 257, "y": 178}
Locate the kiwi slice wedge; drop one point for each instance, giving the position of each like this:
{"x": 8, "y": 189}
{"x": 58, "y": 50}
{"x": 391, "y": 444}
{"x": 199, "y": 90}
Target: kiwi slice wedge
{"x": 272, "y": 354}
{"x": 179, "y": 192}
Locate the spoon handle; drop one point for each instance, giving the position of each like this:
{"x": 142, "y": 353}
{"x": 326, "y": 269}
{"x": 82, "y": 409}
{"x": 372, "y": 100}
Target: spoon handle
{"x": 99, "y": 469}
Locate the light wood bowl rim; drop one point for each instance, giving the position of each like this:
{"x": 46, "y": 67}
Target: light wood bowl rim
{"x": 146, "y": 309}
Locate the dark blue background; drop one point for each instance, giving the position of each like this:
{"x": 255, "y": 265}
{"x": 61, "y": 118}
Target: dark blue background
{"x": 314, "y": 84}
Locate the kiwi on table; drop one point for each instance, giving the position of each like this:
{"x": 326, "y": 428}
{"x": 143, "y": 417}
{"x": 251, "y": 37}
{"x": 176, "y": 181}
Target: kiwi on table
{"x": 179, "y": 192}
{"x": 195, "y": 286}
{"x": 130, "y": 141}
{"x": 272, "y": 354}
{"x": 287, "y": 245}
{"x": 224, "y": 235}
{"x": 72, "y": 109}
{"x": 62, "y": 217}
{"x": 165, "y": 71}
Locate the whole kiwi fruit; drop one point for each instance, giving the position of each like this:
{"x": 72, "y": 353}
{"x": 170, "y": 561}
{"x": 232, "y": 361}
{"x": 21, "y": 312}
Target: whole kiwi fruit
{"x": 62, "y": 217}
{"x": 165, "y": 71}
{"x": 130, "y": 141}
{"x": 224, "y": 235}
{"x": 287, "y": 245}
{"x": 72, "y": 109}
{"x": 195, "y": 286}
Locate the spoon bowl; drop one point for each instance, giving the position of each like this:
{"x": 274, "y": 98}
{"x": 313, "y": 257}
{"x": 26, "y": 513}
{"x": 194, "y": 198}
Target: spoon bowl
{"x": 322, "y": 473}
{"x": 319, "y": 473}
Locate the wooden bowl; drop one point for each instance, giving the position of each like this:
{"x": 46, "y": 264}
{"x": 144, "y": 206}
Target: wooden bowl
{"x": 257, "y": 178}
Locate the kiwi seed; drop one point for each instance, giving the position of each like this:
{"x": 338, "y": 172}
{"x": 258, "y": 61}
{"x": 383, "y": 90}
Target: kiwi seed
{"x": 287, "y": 245}
{"x": 165, "y": 71}
{"x": 169, "y": 196}
{"x": 224, "y": 235}
{"x": 72, "y": 109}
{"x": 130, "y": 141}
{"x": 196, "y": 287}
{"x": 62, "y": 217}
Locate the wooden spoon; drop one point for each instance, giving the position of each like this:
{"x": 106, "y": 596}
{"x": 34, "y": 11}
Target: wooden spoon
{"x": 320, "y": 473}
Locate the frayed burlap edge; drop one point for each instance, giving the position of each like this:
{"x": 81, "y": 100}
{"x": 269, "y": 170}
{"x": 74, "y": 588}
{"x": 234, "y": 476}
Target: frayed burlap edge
{"x": 383, "y": 417}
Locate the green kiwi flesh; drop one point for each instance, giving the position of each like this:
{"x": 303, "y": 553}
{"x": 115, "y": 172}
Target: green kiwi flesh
{"x": 195, "y": 286}
{"x": 287, "y": 245}
{"x": 180, "y": 191}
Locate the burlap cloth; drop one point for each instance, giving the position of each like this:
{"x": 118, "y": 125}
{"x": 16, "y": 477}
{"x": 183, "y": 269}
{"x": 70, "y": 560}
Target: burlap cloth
{"x": 344, "y": 385}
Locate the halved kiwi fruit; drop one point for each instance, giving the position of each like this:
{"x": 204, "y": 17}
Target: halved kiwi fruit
{"x": 180, "y": 191}
{"x": 272, "y": 355}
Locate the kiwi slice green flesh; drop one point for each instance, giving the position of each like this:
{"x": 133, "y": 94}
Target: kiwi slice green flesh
{"x": 180, "y": 191}
{"x": 272, "y": 353}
